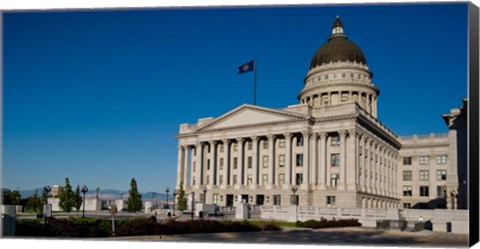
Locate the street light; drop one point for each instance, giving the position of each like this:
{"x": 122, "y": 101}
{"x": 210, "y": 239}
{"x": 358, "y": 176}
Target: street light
{"x": 84, "y": 190}
{"x": 47, "y": 190}
{"x": 205, "y": 195}
{"x": 193, "y": 203}
{"x": 175, "y": 193}
{"x": 154, "y": 196}
{"x": 167, "y": 190}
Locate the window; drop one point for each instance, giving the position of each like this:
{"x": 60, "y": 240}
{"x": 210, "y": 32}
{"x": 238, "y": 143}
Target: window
{"x": 281, "y": 160}
{"x": 423, "y": 190}
{"x": 366, "y": 153}
{"x": 249, "y": 162}
{"x": 330, "y": 201}
{"x": 424, "y": 175}
{"x": 441, "y": 175}
{"x": 407, "y": 190}
{"x": 334, "y": 179}
{"x": 423, "y": 160}
{"x": 208, "y": 179}
{"x": 360, "y": 150}
{"x": 299, "y": 178}
{"x": 277, "y": 200}
{"x": 281, "y": 143}
{"x": 407, "y": 175}
{"x": 221, "y": 163}
{"x": 193, "y": 181}
{"x": 441, "y": 191}
{"x": 208, "y": 164}
{"x": 300, "y": 141}
{"x": 335, "y": 141}
{"x": 326, "y": 76}
{"x": 221, "y": 148}
{"x": 249, "y": 179}
{"x": 335, "y": 158}
{"x": 249, "y": 145}
{"x": 235, "y": 163}
{"x": 234, "y": 179}
{"x": 265, "y": 144}
{"x": 281, "y": 179}
{"x": 351, "y": 75}
{"x": 441, "y": 159}
{"x": 265, "y": 161}
{"x": 407, "y": 160}
{"x": 264, "y": 179}
{"x": 407, "y": 205}
{"x": 299, "y": 160}
{"x": 215, "y": 199}
{"x": 221, "y": 180}
{"x": 235, "y": 147}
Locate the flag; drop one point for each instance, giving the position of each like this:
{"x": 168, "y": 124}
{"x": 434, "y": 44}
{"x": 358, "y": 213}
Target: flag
{"x": 247, "y": 67}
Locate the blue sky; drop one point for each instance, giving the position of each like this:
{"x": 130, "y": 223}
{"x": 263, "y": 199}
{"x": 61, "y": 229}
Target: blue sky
{"x": 98, "y": 96}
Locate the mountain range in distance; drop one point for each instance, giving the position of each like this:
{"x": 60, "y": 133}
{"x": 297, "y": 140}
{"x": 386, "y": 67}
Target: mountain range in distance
{"x": 105, "y": 194}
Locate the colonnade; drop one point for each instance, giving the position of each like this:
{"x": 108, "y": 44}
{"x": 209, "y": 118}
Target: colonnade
{"x": 364, "y": 164}
{"x": 367, "y": 101}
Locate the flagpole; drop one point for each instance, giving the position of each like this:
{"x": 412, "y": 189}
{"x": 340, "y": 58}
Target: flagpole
{"x": 255, "y": 81}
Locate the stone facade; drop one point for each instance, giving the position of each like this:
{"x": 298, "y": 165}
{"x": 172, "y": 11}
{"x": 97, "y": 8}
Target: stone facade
{"x": 331, "y": 147}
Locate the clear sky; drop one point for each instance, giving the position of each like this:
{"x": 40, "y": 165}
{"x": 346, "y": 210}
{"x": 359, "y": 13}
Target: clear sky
{"x": 98, "y": 96}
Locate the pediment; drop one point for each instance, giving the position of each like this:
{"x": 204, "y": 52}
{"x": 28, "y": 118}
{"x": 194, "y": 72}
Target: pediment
{"x": 248, "y": 115}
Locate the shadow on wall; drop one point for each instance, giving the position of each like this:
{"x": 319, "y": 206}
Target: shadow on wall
{"x": 438, "y": 203}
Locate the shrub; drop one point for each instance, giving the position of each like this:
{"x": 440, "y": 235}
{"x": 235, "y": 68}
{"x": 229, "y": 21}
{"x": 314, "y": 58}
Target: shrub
{"x": 323, "y": 223}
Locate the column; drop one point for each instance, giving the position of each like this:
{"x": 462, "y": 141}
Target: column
{"x": 314, "y": 157}
{"x": 239, "y": 161}
{"x": 180, "y": 165}
{"x": 212, "y": 170}
{"x": 306, "y": 158}
{"x": 352, "y": 168}
{"x": 255, "y": 161}
{"x": 185, "y": 166}
{"x": 375, "y": 169}
{"x": 368, "y": 165}
{"x": 288, "y": 160}
{"x": 226, "y": 165}
{"x": 271, "y": 168}
{"x": 343, "y": 176}
{"x": 322, "y": 157}
{"x": 198, "y": 164}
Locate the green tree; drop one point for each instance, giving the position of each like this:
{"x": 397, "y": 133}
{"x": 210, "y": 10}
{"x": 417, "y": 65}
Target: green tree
{"x": 182, "y": 201}
{"x": 13, "y": 198}
{"x": 134, "y": 202}
{"x": 78, "y": 199}
{"x": 34, "y": 203}
{"x": 67, "y": 197}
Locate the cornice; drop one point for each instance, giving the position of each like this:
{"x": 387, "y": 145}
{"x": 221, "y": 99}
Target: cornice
{"x": 244, "y": 107}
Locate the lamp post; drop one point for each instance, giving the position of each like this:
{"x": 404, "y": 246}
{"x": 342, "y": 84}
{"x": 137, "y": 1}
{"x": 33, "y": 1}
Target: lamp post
{"x": 47, "y": 190}
{"x": 193, "y": 203}
{"x": 84, "y": 190}
{"x": 205, "y": 195}
{"x": 45, "y": 206}
{"x": 154, "y": 196}
{"x": 175, "y": 193}
{"x": 295, "y": 199}
{"x": 167, "y": 190}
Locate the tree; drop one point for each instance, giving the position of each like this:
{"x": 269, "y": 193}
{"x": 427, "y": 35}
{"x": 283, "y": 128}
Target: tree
{"x": 182, "y": 201}
{"x": 67, "y": 197}
{"x": 134, "y": 202}
{"x": 78, "y": 199}
{"x": 34, "y": 203}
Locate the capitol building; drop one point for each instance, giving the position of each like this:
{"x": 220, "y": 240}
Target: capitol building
{"x": 330, "y": 147}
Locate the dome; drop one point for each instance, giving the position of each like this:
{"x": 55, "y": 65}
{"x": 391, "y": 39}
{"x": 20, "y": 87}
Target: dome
{"x": 338, "y": 48}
